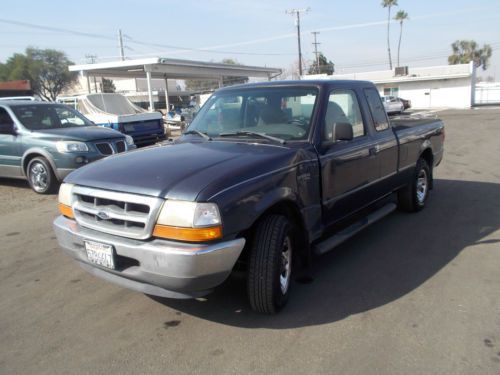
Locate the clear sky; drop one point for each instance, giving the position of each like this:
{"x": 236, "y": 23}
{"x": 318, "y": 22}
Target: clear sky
{"x": 254, "y": 32}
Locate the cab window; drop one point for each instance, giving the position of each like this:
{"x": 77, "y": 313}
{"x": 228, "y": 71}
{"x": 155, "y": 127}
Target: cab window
{"x": 343, "y": 107}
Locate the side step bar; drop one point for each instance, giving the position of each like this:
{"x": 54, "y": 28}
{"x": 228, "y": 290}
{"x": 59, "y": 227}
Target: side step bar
{"x": 351, "y": 230}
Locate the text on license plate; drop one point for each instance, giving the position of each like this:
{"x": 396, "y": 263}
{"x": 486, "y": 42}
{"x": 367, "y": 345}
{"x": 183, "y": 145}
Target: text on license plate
{"x": 100, "y": 254}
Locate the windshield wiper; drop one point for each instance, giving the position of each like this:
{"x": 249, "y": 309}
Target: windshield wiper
{"x": 197, "y": 132}
{"x": 250, "y": 133}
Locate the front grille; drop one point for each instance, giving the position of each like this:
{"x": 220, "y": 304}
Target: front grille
{"x": 121, "y": 214}
{"x": 104, "y": 148}
{"x": 110, "y": 147}
{"x": 120, "y": 146}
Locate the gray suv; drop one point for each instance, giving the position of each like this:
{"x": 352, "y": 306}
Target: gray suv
{"x": 43, "y": 142}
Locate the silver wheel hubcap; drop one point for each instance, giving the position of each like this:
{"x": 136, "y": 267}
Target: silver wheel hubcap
{"x": 39, "y": 176}
{"x": 422, "y": 185}
{"x": 286, "y": 265}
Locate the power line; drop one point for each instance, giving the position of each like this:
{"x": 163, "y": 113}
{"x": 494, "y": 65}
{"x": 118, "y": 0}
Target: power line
{"x": 131, "y": 40}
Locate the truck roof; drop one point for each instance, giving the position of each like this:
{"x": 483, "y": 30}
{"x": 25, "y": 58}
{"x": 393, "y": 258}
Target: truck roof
{"x": 315, "y": 82}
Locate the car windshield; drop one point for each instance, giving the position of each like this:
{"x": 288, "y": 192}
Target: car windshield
{"x": 280, "y": 112}
{"x": 48, "y": 116}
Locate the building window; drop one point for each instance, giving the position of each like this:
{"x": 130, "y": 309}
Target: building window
{"x": 391, "y": 91}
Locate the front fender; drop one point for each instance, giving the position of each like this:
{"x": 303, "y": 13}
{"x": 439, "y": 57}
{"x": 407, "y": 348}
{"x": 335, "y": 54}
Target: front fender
{"x": 37, "y": 151}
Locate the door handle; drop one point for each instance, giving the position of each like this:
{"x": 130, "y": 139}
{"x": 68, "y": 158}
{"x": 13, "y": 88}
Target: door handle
{"x": 375, "y": 150}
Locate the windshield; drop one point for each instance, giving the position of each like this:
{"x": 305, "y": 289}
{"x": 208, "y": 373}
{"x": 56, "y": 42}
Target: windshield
{"x": 280, "y": 112}
{"x": 48, "y": 116}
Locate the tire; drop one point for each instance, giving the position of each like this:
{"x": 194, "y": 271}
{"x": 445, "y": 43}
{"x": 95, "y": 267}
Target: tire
{"x": 413, "y": 197}
{"x": 270, "y": 267}
{"x": 40, "y": 176}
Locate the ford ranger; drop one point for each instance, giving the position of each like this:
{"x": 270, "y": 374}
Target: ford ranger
{"x": 265, "y": 176}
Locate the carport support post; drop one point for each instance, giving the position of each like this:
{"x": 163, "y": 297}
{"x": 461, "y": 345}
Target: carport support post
{"x": 166, "y": 95}
{"x": 88, "y": 80}
{"x": 150, "y": 93}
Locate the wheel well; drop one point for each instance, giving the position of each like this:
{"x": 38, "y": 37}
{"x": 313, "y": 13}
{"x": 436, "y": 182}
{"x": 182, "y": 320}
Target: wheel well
{"x": 27, "y": 160}
{"x": 292, "y": 212}
{"x": 429, "y": 158}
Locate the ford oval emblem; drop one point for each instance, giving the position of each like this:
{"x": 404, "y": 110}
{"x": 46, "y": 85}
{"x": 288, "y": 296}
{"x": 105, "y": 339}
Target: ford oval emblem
{"x": 102, "y": 215}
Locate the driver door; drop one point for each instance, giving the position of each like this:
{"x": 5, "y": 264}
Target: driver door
{"x": 348, "y": 168}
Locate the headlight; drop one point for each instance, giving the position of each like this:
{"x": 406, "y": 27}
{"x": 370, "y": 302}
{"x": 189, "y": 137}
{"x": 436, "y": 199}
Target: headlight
{"x": 189, "y": 221}
{"x": 71, "y": 146}
{"x": 129, "y": 140}
{"x": 65, "y": 200}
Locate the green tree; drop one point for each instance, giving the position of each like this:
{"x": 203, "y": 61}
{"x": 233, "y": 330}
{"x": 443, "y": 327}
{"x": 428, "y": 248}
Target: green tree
{"x": 401, "y": 16}
{"x": 465, "y": 51}
{"x": 389, "y": 4}
{"x": 325, "y": 66}
{"x": 199, "y": 85}
{"x": 15, "y": 68}
{"x": 108, "y": 85}
{"x": 46, "y": 69}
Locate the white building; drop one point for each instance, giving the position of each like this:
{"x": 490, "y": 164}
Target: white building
{"x": 447, "y": 86}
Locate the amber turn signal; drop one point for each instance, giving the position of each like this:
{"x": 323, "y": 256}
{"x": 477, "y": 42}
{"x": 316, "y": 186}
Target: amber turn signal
{"x": 188, "y": 234}
{"x": 66, "y": 211}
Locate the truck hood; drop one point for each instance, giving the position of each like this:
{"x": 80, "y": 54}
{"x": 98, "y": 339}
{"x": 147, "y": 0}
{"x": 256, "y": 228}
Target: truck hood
{"x": 83, "y": 133}
{"x": 182, "y": 171}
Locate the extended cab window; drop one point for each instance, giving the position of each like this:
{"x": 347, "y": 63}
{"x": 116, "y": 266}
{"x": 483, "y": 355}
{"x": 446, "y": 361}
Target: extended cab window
{"x": 377, "y": 109}
{"x": 343, "y": 107}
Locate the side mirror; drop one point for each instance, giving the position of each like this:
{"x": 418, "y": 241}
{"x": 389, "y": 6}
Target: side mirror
{"x": 342, "y": 131}
{"x": 7, "y": 128}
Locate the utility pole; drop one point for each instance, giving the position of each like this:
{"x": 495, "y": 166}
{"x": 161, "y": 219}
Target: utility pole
{"x": 297, "y": 12}
{"x": 120, "y": 44}
{"x": 315, "y": 43}
{"x": 91, "y": 59}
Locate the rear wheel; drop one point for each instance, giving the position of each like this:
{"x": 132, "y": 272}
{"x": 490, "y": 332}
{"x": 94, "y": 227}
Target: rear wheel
{"x": 270, "y": 266}
{"x": 412, "y": 198}
{"x": 41, "y": 176}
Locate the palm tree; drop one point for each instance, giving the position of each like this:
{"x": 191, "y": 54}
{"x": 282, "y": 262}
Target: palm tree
{"x": 389, "y": 4}
{"x": 400, "y": 16}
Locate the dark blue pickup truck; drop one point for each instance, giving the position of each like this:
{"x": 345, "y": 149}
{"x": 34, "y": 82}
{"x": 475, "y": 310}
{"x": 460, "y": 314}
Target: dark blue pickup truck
{"x": 265, "y": 176}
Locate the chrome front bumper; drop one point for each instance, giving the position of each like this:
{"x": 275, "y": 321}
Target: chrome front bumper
{"x": 158, "y": 267}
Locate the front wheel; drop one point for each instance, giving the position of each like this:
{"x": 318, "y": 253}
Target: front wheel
{"x": 412, "y": 198}
{"x": 270, "y": 266}
{"x": 41, "y": 176}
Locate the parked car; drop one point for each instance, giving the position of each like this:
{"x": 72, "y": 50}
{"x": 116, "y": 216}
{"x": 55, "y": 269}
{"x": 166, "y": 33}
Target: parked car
{"x": 392, "y": 104}
{"x": 266, "y": 175}
{"x": 406, "y": 103}
{"x": 42, "y": 142}
{"x": 115, "y": 111}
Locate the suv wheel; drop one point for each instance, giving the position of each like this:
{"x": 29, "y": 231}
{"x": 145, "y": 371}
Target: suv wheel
{"x": 41, "y": 176}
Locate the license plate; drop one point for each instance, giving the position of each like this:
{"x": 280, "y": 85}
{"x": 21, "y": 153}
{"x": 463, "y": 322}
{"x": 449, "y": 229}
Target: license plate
{"x": 100, "y": 254}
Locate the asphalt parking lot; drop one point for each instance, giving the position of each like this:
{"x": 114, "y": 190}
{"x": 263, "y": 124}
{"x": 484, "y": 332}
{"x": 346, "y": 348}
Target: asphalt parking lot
{"x": 413, "y": 294}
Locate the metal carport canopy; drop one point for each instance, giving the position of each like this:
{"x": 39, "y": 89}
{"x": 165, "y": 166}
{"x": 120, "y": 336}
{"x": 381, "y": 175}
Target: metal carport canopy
{"x": 172, "y": 68}
{"x": 157, "y": 67}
